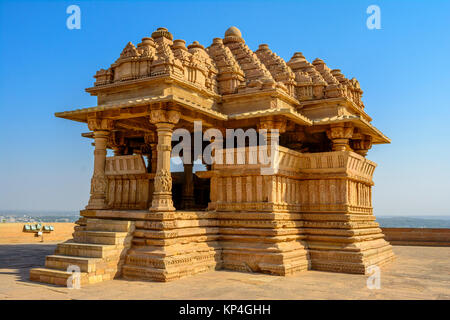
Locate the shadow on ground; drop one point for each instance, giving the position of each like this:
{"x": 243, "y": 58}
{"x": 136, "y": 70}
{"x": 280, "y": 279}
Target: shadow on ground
{"x": 20, "y": 258}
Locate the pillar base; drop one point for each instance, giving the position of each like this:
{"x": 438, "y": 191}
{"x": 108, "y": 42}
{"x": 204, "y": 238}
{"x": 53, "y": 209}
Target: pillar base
{"x": 162, "y": 202}
{"x": 162, "y": 209}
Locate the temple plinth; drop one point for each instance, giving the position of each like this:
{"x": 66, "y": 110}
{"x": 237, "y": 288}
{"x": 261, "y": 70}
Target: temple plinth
{"x": 289, "y": 190}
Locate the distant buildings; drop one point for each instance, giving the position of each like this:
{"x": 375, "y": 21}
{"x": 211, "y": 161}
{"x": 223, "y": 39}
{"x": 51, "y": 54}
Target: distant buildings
{"x": 11, "y": 218}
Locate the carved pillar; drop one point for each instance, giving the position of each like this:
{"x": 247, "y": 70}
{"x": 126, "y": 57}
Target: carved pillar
{"x": 101, "y": 128}
{"x": 295, "y": 140}
{"x": 117, "y": 143}
{"x": 361, "y": 143}
{"x": 187, "y": 196}
{"x": 339, "y": 134}
{"x": 151, "y": 142}
{"x": 164, "y": 120}
{"x": 188, "y": 200}
{"x": 270, "y": 124}
{"x": 271, "y": 128}
{"x": 154, "y": 160}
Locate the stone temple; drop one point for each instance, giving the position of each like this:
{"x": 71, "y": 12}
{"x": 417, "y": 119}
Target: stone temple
{"x": 313, "y": 212}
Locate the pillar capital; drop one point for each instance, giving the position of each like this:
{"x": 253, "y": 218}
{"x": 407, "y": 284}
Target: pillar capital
{"x": 98, "y": 124}
{"x": 361, "y": 144}
{"x": 269, "y": 124}
{"x": 340, "y": 131}
{"x": 117, "y": 142}
{"x": 163, "y": 118}
{"x": 339, "y": 134}
{"x": 272, "y": 123}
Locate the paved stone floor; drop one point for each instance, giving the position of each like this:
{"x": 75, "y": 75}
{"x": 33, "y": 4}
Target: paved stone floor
{"x": 417, "y": 273}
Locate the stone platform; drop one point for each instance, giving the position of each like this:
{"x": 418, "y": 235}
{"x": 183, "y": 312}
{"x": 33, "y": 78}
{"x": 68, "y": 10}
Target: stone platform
{"x": 165, "y": 246}
{"x": 417, "y": 273}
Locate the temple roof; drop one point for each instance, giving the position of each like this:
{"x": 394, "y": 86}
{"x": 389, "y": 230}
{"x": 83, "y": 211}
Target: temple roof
{"x": 225, "y": 59}
{"x": 227, "y": 80}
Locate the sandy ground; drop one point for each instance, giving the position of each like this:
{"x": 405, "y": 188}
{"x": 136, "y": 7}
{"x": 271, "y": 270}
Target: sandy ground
{"x": 417, "y": 273}
{"x": 13, "y": 233}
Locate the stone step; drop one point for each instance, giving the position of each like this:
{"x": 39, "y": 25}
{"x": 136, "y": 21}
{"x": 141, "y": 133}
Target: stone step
{"x": 63, "y": 262}
{"x": 109, "y": 225}
{"x": 99, "y": 248}
{"x": 56, "y": 277}
{"x": 88, "y": 250}
{"x": 102, "y": 237}
{"x": 59, "y": 277}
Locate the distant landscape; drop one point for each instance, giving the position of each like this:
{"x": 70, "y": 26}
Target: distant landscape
{"x": 10, "y": 216}
{"x": 414, "y": 222}
{"x": 386, "y": 221}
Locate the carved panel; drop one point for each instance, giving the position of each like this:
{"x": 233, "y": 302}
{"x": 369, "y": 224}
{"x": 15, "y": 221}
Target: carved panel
{"x": 129, "y": 185}
{"x": 121, "y": 165}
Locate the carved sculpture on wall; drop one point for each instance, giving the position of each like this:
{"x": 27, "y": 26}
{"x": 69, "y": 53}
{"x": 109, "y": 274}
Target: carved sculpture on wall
{"x": 163, "y": 181}
{"x": 98, "y": 184}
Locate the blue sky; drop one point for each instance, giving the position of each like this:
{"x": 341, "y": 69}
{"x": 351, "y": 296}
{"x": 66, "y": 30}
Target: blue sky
{"x": 403, "y": 69}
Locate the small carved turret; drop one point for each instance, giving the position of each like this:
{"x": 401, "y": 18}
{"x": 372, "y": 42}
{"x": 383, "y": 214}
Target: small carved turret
{"x": 103, "y": 77}
{"x": 233, "y": 34}
{"x": 333, "y": 89}
{"x": 203, "y": 69}
{"x": 230, "y": 73}
{"x": 162, "y": 33}
{"x": 166, "y": 62}
{"x": 310, "y": 84}
{"x": 256, "y": 74}
{"x": 278, "y": 68}
{"x": 147, "y": 48}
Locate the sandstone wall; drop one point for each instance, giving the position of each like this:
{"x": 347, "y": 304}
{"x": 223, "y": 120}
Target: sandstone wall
{"x": 13, "y": 233}
{"x": 417, "y": 236}
{"x": 312, "y": 211}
